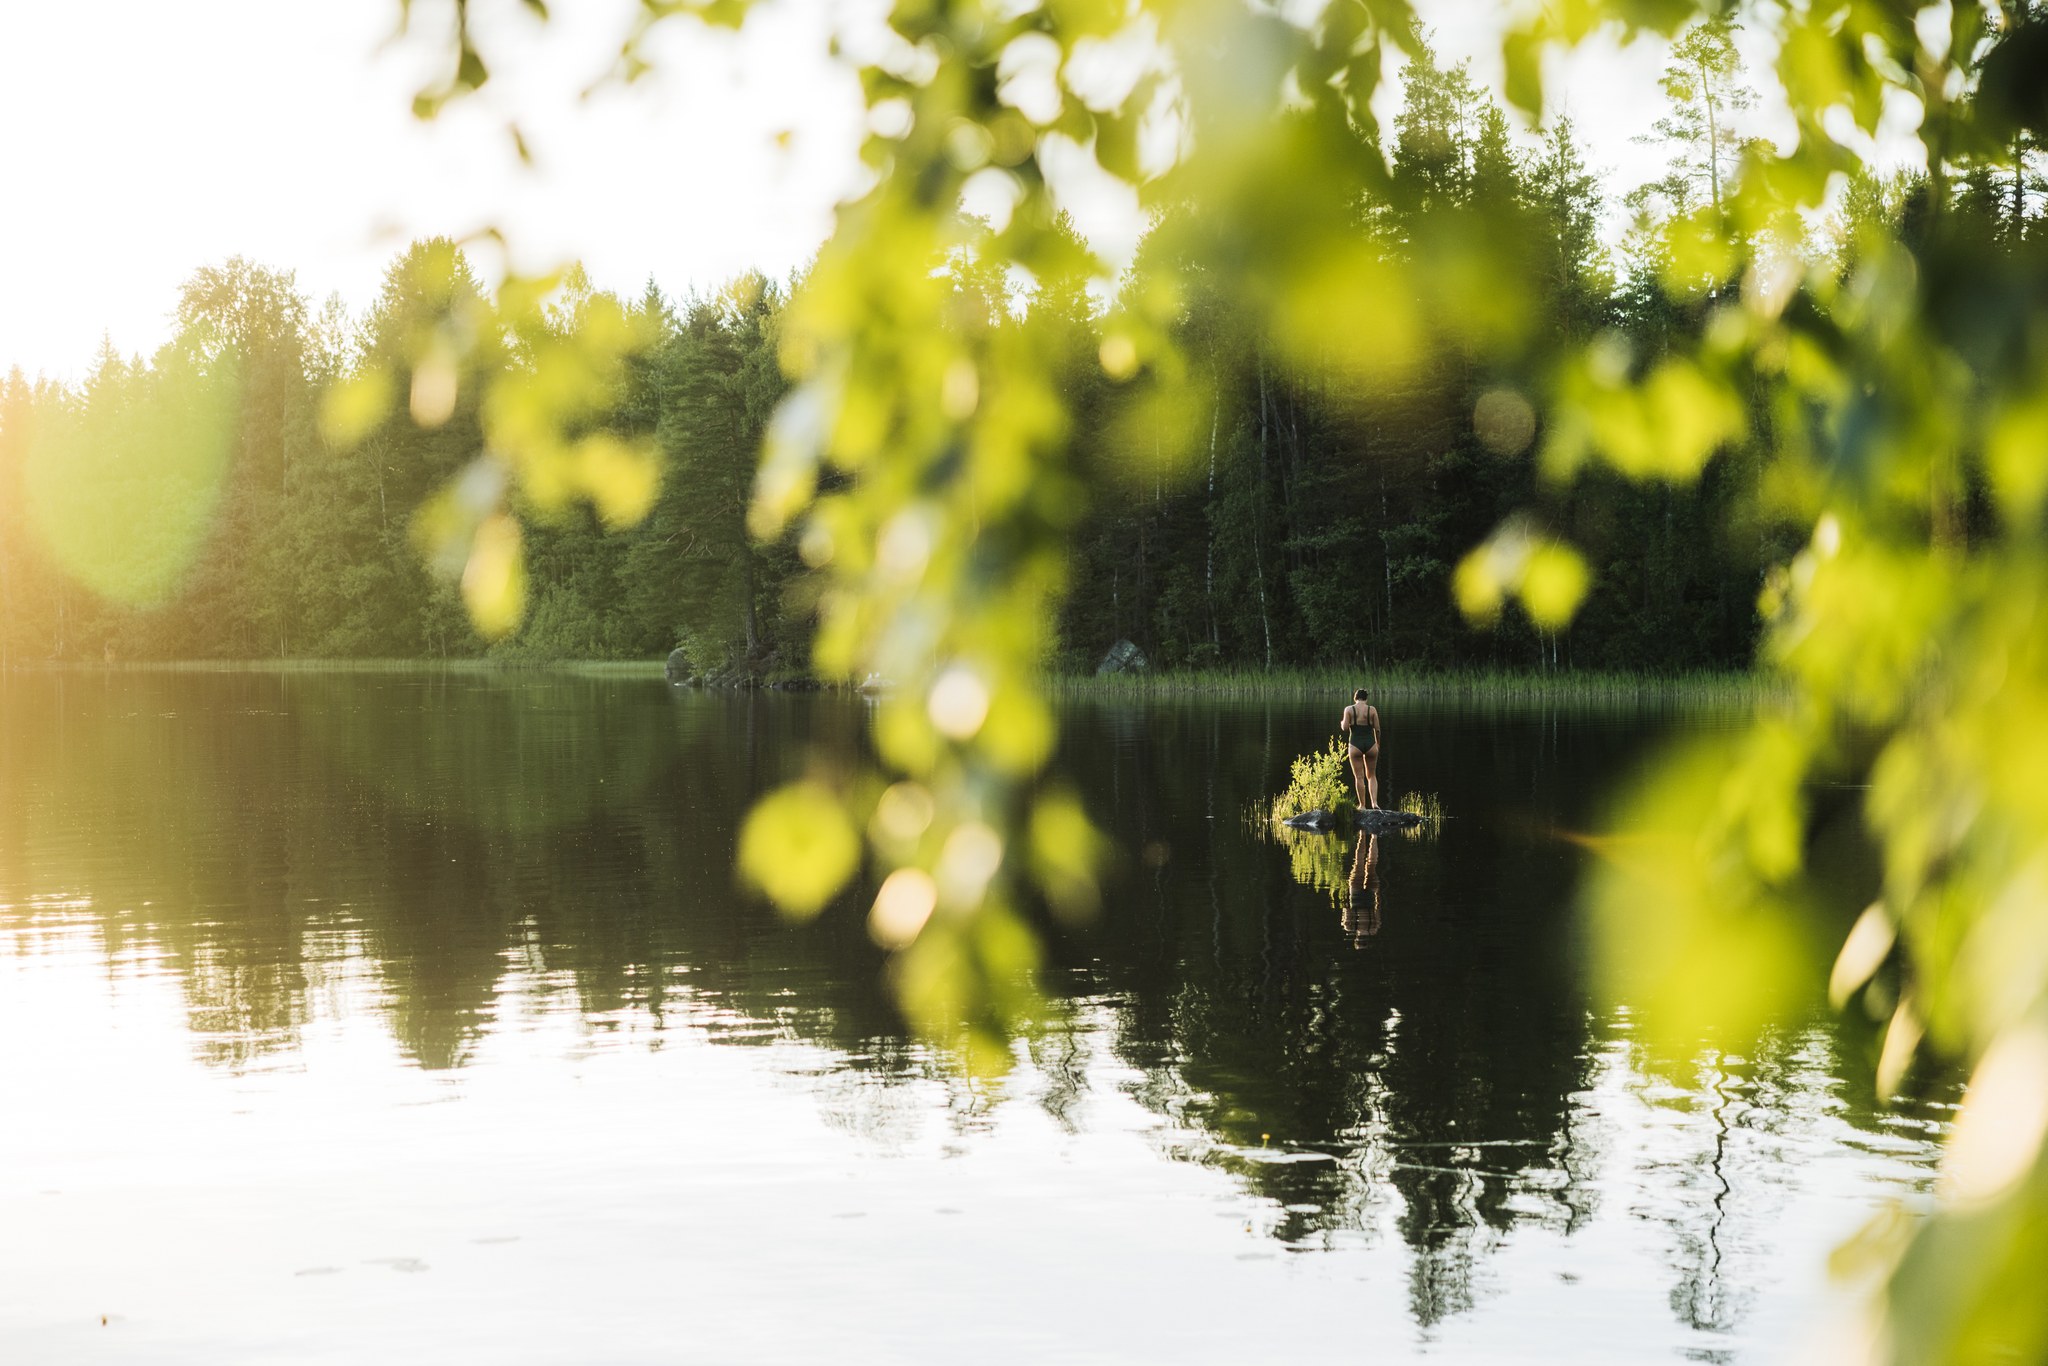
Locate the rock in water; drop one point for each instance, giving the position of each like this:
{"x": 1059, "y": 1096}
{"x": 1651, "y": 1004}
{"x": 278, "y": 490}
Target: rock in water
{"x": 1123, "y": 657}
{"x": 677, "y": 670}
{"x": 1311, "y": 820}
{"x": 1372, "y": 822}
{"x": 1379, "y": 822}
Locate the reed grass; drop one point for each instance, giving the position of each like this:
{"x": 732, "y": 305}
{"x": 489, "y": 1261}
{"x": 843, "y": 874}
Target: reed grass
{"x": 1430, "y": 808}
{"x": 1487, "y": 687}
{"x": 1483, "y": 686}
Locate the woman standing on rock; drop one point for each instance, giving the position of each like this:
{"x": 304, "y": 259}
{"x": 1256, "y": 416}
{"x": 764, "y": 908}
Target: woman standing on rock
{"x": 1361, "y": 727}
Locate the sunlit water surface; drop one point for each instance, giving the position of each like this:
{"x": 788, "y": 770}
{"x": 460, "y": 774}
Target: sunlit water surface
{"x": 415, "y": 1019}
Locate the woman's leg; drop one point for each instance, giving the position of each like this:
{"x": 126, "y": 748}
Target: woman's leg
{"x": 1357, "y": 762}
{"x": 1371, "y": 763}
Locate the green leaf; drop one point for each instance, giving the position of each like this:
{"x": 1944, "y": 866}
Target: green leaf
{"x": 1522, "y": 57}
{"x": 798, "y": 848}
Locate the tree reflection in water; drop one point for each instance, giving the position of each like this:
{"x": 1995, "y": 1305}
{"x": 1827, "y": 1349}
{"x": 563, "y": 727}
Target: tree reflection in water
{"x": 450, "y": 853}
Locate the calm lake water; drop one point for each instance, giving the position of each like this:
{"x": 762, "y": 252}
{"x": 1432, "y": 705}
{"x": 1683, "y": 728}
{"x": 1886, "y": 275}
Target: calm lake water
{"x": 414, "y": 1018}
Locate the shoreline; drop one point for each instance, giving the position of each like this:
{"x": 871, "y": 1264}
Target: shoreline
{"x": 1703, "y": 688}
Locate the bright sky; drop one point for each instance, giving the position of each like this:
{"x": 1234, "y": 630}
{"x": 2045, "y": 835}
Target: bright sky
{"x": 146, "y": 139}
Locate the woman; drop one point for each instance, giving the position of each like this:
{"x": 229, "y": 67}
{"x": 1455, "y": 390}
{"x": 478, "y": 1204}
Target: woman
{"x": 1361, "y": 915}
{"x": 1361, "y": 727}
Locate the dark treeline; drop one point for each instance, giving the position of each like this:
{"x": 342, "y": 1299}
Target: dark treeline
{"x": 307, "y": 548}
{"x": 189, "y": 506}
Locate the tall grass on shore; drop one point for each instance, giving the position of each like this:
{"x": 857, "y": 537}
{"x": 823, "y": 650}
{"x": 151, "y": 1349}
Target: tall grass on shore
{"x": 1404, "y": 684}
{"x": 1489, "y": 687}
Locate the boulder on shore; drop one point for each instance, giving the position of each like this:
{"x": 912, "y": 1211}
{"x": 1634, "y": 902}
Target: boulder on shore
{"x": 1123, "y": 657}
{"x": 677, "y": 670}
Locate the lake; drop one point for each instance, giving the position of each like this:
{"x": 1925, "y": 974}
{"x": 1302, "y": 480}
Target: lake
{"x": 415, "y": 1017}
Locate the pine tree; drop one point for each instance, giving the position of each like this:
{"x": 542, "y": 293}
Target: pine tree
{"x": 1704, "y": 82}
{"x": 250, "y": 323}
{"x": 694, "y": 572}
{"x": 1432, "y": 148}
{"x": 1566, "y": 196}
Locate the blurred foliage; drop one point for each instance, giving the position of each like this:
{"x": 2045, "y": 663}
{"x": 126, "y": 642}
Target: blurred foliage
{"x": 1282, "y": 553}
{"x": 1892, "y": 406}
{"x": 1880, "y": 393}
{"x": 535, "y": 366}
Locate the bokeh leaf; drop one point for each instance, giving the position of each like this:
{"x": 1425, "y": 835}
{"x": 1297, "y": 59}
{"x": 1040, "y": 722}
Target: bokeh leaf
{"x": 798, "y": 848}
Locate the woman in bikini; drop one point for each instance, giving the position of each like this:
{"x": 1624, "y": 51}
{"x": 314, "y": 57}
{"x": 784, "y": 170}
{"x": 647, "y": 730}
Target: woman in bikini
{"x": 1361, "y": 914}
{"x": 1361, "y": 727}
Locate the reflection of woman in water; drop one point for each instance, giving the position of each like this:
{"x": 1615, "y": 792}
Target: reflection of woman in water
{"x": 1361, "y": 727}
{"x": 1362, "y": 907}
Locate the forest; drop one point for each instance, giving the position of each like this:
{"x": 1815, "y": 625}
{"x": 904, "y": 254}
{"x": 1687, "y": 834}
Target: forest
{"x": 199, "y": 505}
